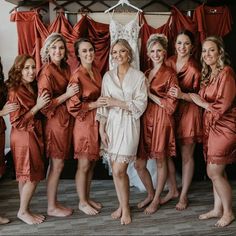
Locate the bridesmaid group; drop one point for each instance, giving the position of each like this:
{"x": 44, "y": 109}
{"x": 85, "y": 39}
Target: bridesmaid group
{"x": 125, "y": 116}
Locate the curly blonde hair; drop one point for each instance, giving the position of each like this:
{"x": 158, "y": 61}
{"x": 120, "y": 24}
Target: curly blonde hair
{"x": 157, "y": 38}
{"x": 50, "y": 40}
{"x": 222, "y": 60}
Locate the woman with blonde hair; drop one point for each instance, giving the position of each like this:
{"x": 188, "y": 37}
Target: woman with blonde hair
{"x": 53, "y": 80}
{"x": 157, "y": 137}
{"x": 125, "y": 95}
{"x": 217, "y": 97}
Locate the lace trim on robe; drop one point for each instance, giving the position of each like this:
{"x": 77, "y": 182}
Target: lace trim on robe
{"x": 134, "y": 110}
{"x": 100, "y": 118}
{"x": 31, "y": 178}
{"x": 221, "y": 160}
{"x": 117, "y": 158}
{"x": 83, "y": 155}
{"x": 82, "y": 115}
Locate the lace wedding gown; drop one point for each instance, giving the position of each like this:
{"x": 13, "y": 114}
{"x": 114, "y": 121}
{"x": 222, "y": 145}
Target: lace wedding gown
{"x": 130, "y": 32}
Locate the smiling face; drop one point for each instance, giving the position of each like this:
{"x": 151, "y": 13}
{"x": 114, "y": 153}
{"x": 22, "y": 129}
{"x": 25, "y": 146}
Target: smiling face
{"x": 57, "y": 52}
{"x": 210, "y": 53}
{"x": 157, "y": 53}
{"x": 183, "y": 45}
{"x": 120, "y": 54}
{"x": 29, "y": 71}
{"x": 86, "y": 53}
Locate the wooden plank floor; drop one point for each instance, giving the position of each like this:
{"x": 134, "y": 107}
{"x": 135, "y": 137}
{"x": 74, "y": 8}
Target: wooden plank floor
{"x": 167, "y": 221}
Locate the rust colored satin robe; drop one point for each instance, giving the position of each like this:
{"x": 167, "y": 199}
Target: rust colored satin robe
{"x": 157, "y": 138}
{"x": 188, "y": 116}
{"x": 219, "y": 124}
{"x": 26, "y": 138}
{"x": 85, "y": 133}
{"x": 59, "y": 123}
{"x": 2, "y": 146}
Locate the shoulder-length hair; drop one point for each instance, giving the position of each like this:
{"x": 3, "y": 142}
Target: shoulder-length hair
{"x": 127, "y": 46}
{"x": 50, "y": 40}
{"x": 15, "y": 73}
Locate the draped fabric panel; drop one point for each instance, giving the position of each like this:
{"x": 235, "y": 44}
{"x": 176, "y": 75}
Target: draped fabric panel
{"x": 99, "y": 34}
{"x": 32, "y": 33}
{"x": 25, "y": 30}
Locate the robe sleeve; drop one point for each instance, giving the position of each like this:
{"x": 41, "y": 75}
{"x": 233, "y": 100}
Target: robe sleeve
{"x": 45, "y": 85}
{"x": 196, "y": 81}
{"x": 75, "y": 106}
{"x": 138, "y": 104}
{"x": 22, "y": 118}
{"x": 225, "y": 96}
{"x": 102, "y": 112}
{"x": 169, "y": 103}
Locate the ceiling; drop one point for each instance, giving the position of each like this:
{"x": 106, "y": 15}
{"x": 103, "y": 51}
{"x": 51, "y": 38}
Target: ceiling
{"x": 101, "y": 5}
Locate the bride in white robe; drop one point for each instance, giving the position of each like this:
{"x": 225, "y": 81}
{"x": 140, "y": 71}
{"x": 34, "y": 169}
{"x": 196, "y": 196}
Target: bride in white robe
{"x": 125, "y": 93}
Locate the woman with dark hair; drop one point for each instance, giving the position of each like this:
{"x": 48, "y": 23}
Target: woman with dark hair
{"x": 26, "y": 133}
{"x": 188, "y": 118}
{"x": 53, "y": 80}
{"x": 125, "y": 96}
{"x": 5, "y": 109}
{"x": 157, "y": 139}
{"x": 82, "y": 106}
{"x": 217, "y": 97}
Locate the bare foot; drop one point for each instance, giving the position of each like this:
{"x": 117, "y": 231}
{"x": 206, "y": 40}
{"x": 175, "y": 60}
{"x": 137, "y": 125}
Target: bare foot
{"x": 125, "y": 218}
{"x": 116, "y": 214}
{"x": 225, "y": 220}
{"x": 59, "y": 211}
{"x": 58, "y": 205}
{"x": 29, "y": 218}
{"x": 96, "y": 205}
{"x": 145, "y": 202}
{"x": 152, "y": 208}
{"x": 182, "y": 205}
{"x": 38, "y": 216}
{"x": 87, "y": 209}
{"x": 210, "y": 214}
{"x": 4, "y": 220}
{"x": 169, "y": 196}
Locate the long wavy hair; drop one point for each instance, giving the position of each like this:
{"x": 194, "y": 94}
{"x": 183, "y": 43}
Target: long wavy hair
{"x": 3, "y": 89}
{"x": 222, "y": 61}
{"x": 15, "y": 73}
{"x": 50, "y": 40}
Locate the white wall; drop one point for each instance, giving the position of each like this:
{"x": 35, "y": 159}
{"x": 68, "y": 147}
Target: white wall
{"x": 8, "y": 45}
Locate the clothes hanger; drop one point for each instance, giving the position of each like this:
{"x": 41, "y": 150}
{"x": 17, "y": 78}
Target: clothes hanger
{"x": 122, "y": 2}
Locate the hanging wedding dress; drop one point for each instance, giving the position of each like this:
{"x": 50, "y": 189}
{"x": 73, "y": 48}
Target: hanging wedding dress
{"x": 130, "y": 32}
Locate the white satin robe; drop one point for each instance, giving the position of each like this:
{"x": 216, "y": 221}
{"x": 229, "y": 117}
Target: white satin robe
{"x": 122, "y": 126}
